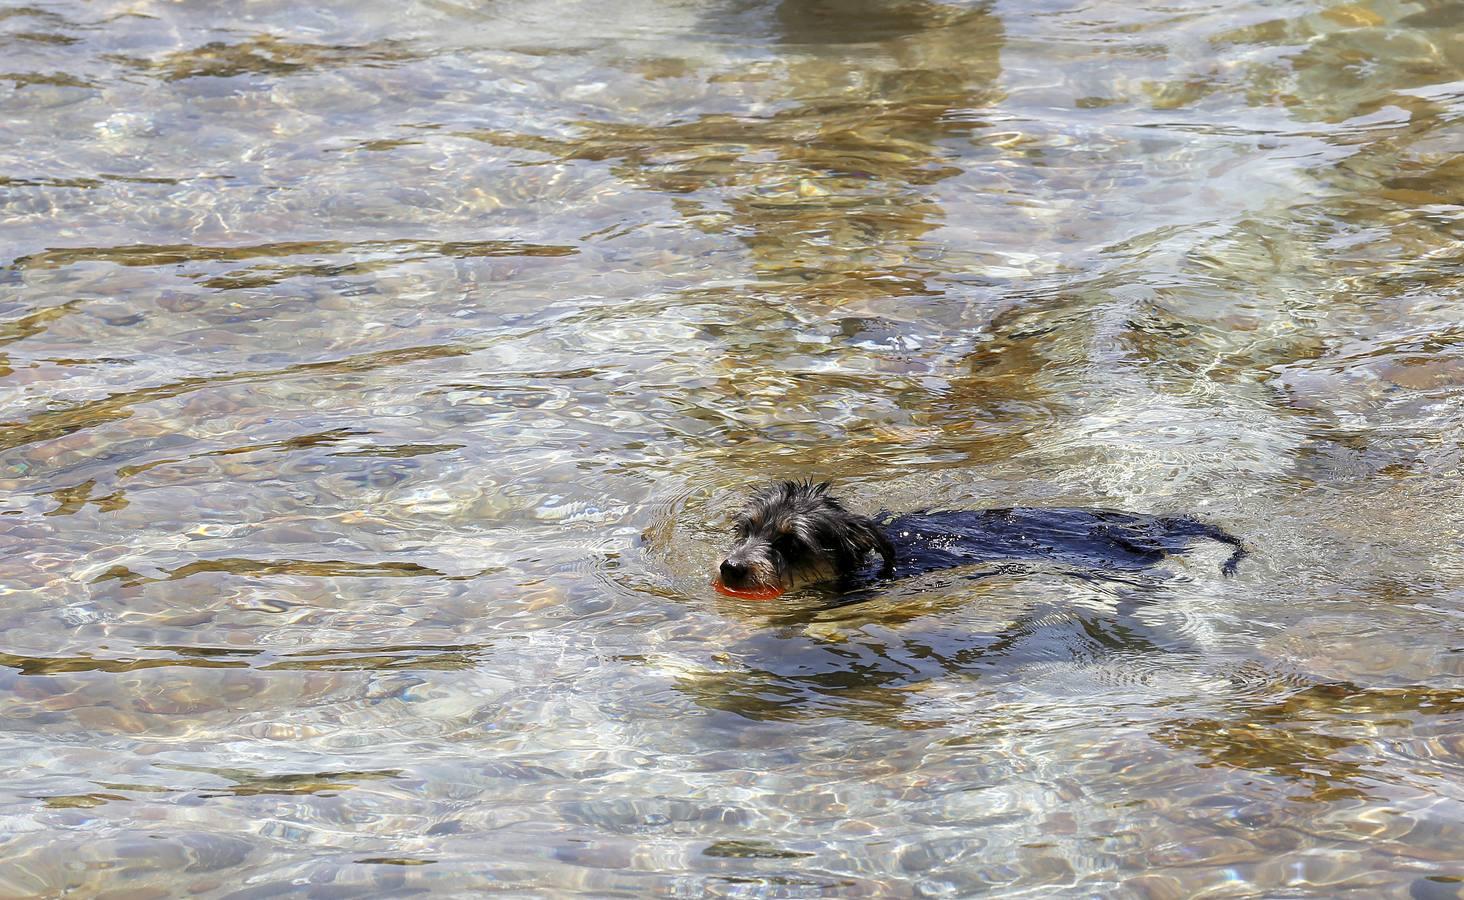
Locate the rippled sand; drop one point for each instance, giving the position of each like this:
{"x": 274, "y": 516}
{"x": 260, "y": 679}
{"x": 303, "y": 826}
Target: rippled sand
{"x": 376, "y": 379}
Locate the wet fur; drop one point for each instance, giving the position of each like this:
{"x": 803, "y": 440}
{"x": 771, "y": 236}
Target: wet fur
{"x": 794, "y": 533}
{"x": 790, "y": 534}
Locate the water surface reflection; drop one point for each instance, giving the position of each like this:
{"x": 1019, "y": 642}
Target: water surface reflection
{"x": 376, "y": 380}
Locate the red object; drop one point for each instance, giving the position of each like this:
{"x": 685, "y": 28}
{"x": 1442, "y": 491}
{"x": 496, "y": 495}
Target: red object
{"x": 757, "y": 593}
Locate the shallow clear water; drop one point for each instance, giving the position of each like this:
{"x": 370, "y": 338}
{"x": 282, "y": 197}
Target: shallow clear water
{"x": 378, "y": 378}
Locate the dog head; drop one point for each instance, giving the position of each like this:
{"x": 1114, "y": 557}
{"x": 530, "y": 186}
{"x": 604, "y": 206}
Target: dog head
{"x": 790, "y": 534}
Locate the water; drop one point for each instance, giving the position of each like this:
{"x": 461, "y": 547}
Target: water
{"x": 378, "y": 378}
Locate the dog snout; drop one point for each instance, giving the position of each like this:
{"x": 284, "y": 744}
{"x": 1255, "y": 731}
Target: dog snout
{"x": 733, "y": 571}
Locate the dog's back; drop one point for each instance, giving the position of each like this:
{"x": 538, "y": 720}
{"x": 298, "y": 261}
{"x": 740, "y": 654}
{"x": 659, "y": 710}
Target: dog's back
{"x": 1088, "y": 538}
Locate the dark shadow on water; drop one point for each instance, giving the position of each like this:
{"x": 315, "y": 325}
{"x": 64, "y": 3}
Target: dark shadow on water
{"x": 828, "y": 192}
{"x": 871, "y": 655}
{"x": 831, "y": 190}
{"x": 866, "y": 657}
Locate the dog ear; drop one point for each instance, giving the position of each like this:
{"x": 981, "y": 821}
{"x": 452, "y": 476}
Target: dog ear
{"x": 877, "y": 541}
{"x": 885, "y": 548}
{"x": 860, "y": 536}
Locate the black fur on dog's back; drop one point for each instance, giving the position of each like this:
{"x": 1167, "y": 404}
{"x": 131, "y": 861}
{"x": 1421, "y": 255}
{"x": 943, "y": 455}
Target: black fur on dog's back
{"x": 1091, "y": 538}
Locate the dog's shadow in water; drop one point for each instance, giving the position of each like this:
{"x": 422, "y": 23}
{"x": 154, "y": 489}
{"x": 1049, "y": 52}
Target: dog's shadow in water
{"x": 853, "y": 655}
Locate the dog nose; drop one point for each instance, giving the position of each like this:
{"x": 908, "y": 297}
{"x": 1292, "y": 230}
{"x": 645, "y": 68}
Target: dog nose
{"x": 733, "y": 571}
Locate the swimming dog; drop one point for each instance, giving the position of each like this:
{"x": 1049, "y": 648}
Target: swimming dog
{"x": 791, "y": 534}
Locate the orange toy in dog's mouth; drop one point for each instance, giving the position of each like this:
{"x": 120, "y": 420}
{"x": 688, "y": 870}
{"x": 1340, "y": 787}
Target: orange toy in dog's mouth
{"x": 756, "y": 593}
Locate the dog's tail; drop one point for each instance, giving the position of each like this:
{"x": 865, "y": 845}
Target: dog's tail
{"x": 1193, "y": 528}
